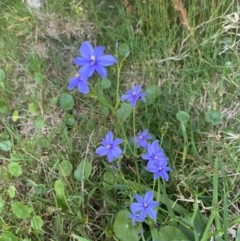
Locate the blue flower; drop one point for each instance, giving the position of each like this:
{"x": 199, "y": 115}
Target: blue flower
{"x": 143, "y": 208}
{"x": 110, "y": 147}
{"x": 154, "y": 152}
{"x": 82, "y": 85}
{"x": 159, "y": 168}
{"x": 142, "y": 138}
{"x": 92, "y": 59}
{"x": 134, "y": 95}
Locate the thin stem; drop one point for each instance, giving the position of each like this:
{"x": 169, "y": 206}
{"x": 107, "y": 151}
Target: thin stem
{"x": 118, "y": 83}
{"x": 134, "y": 131}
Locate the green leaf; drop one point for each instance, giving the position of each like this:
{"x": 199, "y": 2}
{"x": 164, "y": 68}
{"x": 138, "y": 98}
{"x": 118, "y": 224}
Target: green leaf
{"x": 106, "y": 83}
{"x": 15, "y": 116}
{"x": 6, "y": 145}
{"x": 37, "y": 222}
{"x": 183, "y": 117}
{"x": 214, "y": 117}
{"x": 124, "y": 50}
{"x": 66, "y": 101}
{"x": 15, "y": 169}
{"x": 124, "y": 229}
{"x": 170, "y": 233}
{"x": 78, "y": 238}
{"x": 238, "y": 233}
{"x": 39, "y": 122}
{"x": 11, "y": 191}
{"x": 83, "y": 171}
{"x": 65, "y": 168}
{"x": 109, "y": 180}
{"x": 69, "y": 119}
{"x": 152, "y": 93}
{"x": 1, "y": 204}
{"x": 38, "y": 77}
{"x": 2, "y": 75}
{"x": 3, "y": 107}
{"x": 20, "y": 210}
{"x": 32, "y": 108}
{"x": 8, "y": 236}
{"x": 59, "y": 188}
{"x": 124, "y": 111}
{"x": 104, "y": 111}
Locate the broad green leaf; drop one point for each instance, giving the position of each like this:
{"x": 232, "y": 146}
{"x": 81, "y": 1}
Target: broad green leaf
{"x": 78, "y": 238}
{"x": 37, "y": 222}
{"x": 66, "y": 101}
{"x": 106, "y": 83}
{"x": 6, "y": 145}
{"x": 39, "y": 122}
{"x": 65, "y": 168}
{"x": 2, "y": 75}
{"x": 124, "y": 50}
{"x": 170, "y": 233}
{"x": 59, "y": 188}
{"x": 20, "y": 210}
{"x": 104, "y": 111}
{"x": 1, "y": 204}
{"x": 8, "y": 236}
{"x": 83, "y": 171}
{"x": 109, "y": 180}
{"x": 11, "y": 191}
{"x": 124, "y": 111}
{"x": 183, "y": 116}
{"x": 213, "y": 117}
{"x": 152, "y": 93}
{"x": 3, "y": 107}
{"x": 38, "y": 77}
{"x": 32, "y": 108}
{"x": 69, "y": 119}
{"x": 124, "y": 229}
{"x": 15, "y": 169}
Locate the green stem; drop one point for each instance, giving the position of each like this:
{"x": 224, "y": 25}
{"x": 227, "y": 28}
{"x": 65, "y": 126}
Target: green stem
{"x": 118, "y": 83}
{"x": 104, "y": 102}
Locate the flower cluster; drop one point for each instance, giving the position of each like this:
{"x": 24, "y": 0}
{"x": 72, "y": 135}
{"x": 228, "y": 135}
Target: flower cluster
{"x": 143, "y": 207}
{"x": 91, "y": 60}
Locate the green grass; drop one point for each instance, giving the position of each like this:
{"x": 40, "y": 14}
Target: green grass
{"x": 194, "y": 77}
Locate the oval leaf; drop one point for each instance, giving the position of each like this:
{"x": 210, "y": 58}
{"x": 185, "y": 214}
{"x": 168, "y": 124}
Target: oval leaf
{"x": 124, "y": 50}
{"x": 6, "y": 145}
{"x": 183, "y": 116}
{"x": 124, "y": 111}
{"x": 15, "y": 169}
{"x": 38, "y": 77}
{"x": 214, "y": 117}
{"x": 66, "y": 101}
{"x": 8, "y": 236}
{"x": 69, "y": 119}
{"x": 65, "y": 168}
{"x": 170, "y": 233}
{"x": 83, "y": 171}
{"x": 20, "y": 210}
{"x": 106, "y": 83}
{"x": 11, "y": 191}
{"x": 37, "y": 222}
{"x": 123, "y": 227}
{"x": 39, "y": 122}
{"x": 59, "y": 188}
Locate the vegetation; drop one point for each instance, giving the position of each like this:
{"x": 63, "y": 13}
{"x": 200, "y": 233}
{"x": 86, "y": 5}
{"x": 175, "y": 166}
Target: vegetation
{"x": 184, "y": 54}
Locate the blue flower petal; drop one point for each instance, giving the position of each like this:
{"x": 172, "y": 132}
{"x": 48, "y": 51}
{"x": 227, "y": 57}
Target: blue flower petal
{"x": 117, "y": 141}
{"x": 110, "y": 156}
{"x": 101, "y": 71}
{"x": 109, "y": 137}
{"x": 106, "y": 60}
{"x": 116, "y": 151}
{"x": 86, "y": 71}
{"x": 151, "y": 213}
{"x": 148, "y": 197}
{"x": 102, "y": 151}
{"x": 73, "y": 82}
{"x": 81, "y": 61}
{"x": 98, "y": 52}
{"x": 136, "y": 207}
{"x": 83, "y": 87}
{"x": 139, "y": 198}
{"x": 86, "y": 50}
